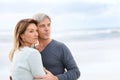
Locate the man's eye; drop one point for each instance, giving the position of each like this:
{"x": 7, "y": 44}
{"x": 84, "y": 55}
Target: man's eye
{"x": 41, "y": 26}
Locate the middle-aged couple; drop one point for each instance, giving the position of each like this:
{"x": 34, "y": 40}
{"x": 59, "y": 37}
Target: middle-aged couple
{"x": 48, "y": 60}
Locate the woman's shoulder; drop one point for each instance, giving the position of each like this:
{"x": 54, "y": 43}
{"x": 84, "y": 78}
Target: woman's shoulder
{"x": 30, "y": 50}
{"x": 33, "y": 54}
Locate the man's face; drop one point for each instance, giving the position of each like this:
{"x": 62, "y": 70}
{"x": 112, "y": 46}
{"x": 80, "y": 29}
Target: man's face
{"x": 44, "y": 29}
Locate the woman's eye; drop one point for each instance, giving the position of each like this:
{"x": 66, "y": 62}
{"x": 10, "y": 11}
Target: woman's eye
{"x": 31, "y": 31}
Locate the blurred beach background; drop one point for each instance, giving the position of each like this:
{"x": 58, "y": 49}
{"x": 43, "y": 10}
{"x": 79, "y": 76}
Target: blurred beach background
{"x": 90, "y": 28}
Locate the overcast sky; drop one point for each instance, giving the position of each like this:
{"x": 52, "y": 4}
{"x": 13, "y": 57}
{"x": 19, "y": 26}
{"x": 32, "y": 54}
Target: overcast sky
{"x": 65, "y": 14}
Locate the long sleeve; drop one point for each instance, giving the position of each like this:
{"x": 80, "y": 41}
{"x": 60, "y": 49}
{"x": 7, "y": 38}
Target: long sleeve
{"x": 35, "y": 63}
{"x": 73, "y": 72}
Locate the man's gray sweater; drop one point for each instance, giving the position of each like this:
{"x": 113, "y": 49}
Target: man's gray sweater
{"x": 58, "y": 59}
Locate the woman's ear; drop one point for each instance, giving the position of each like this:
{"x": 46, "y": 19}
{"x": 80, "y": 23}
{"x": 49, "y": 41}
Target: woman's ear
{"x": 22, "y": 36}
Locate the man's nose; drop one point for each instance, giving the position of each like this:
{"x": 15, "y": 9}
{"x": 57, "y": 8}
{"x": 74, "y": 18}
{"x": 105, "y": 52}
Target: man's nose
{"x": 46, "y": 28}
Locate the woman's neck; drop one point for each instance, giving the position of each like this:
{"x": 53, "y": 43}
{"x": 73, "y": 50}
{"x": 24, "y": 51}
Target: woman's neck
{"x": 26, "y": 45}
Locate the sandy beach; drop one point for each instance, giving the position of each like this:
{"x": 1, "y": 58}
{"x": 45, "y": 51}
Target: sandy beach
{"x": 96, "y": 59}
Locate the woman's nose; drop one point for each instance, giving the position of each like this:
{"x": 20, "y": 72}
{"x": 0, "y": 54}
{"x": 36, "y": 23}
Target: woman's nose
{"x": 36, "y": 33}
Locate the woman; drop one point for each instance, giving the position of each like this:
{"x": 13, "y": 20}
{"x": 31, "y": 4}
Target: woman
{"x": 26, "y": 61}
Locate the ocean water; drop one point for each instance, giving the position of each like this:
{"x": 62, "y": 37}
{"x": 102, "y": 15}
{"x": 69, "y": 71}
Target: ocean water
{"x": 88, "y": 34}
{"x": 96, "y": 52}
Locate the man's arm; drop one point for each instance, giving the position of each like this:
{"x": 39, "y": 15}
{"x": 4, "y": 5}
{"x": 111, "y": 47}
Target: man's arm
{"x": 48, "y": 76}
{"x": 73, "y": 72}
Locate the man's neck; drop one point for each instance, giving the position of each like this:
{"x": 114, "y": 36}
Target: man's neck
{"x": 43, "y": 44}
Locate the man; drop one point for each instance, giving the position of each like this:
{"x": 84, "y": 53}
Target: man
{"x": 57, "y": 58}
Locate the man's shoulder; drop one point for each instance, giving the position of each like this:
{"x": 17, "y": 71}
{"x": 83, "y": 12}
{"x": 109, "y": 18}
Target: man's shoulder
{"x": 56, "y": 42}
{"x": 59, "y": 44}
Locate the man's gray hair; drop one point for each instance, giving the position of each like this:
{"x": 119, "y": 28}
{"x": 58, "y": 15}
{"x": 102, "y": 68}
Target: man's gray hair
{"x": 40, "y": 16}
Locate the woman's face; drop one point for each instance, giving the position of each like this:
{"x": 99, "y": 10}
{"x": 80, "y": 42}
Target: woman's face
{"x": 30, "y": 35}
